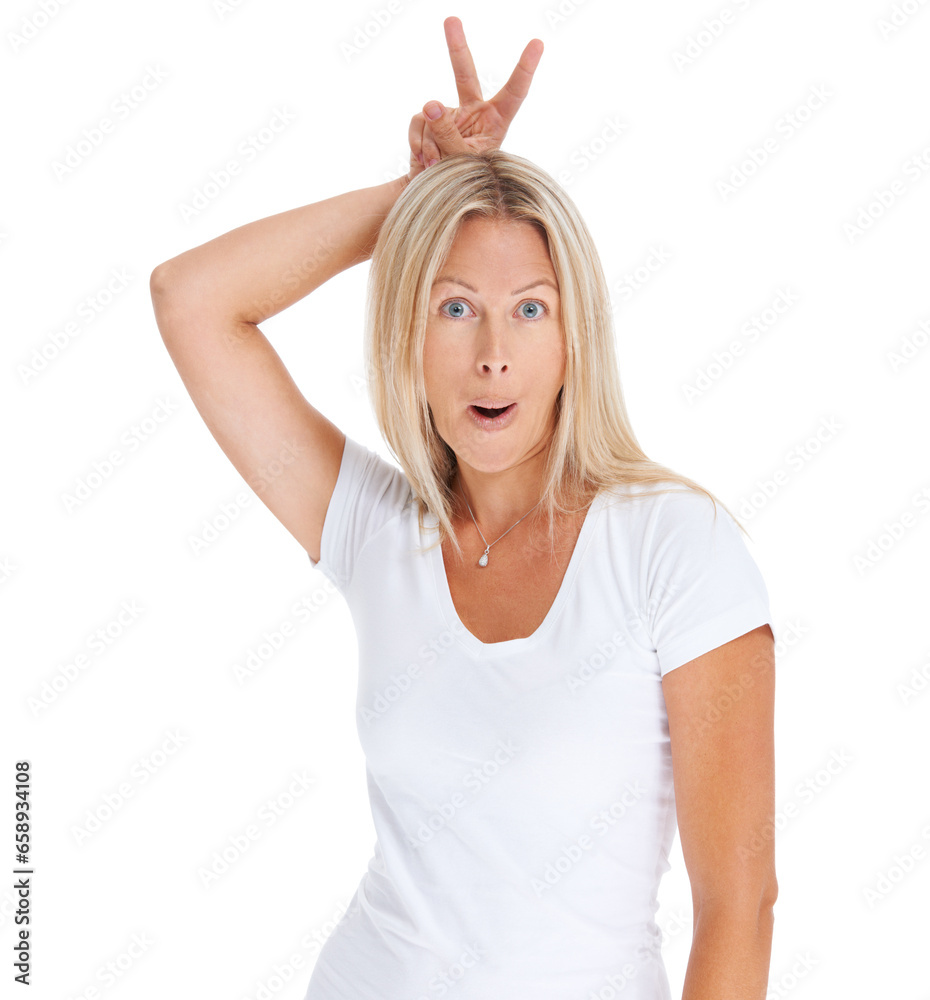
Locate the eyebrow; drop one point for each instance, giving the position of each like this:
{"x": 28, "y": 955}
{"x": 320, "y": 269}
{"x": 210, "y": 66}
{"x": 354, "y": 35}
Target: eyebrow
{"x": 453, "y": 280}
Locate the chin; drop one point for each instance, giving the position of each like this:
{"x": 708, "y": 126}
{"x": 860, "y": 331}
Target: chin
{"x": 493, "y": 457}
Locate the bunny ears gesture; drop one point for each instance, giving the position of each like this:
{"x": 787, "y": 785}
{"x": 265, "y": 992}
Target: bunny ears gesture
{"x": 477, "y": 124}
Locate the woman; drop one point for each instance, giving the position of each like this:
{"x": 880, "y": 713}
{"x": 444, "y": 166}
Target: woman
{"x": 563, "y": 646}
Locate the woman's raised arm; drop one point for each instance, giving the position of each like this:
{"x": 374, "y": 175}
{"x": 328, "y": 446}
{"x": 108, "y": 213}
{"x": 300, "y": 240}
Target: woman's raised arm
{"x": 208, "y": 302}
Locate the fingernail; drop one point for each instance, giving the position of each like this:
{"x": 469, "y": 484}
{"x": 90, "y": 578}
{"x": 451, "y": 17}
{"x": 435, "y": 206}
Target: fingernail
{"x": 433, "y": 110}
{"x": 431, "y": 162}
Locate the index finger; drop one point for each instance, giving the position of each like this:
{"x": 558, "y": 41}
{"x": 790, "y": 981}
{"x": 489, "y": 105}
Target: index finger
{"x": 463, "y": 66}
{"x": 509, "y": 98}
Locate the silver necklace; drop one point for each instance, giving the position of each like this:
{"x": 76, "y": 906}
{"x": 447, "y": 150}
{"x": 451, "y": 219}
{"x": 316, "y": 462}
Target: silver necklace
{"x": 483, "y": 561}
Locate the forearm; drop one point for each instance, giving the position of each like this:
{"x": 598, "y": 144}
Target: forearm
{"x": 257, "y": 270}
{"x": 730, "y": 955}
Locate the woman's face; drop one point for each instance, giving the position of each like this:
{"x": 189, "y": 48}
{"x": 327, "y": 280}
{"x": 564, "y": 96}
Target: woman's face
{"x": 495, "y": 343}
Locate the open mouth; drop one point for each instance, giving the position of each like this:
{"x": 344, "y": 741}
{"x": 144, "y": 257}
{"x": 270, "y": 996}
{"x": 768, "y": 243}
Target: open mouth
{"x": 486, "y": 411}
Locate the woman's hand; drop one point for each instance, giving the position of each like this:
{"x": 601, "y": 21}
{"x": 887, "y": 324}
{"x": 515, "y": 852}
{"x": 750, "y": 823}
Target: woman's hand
{"x": 476, "y": 125}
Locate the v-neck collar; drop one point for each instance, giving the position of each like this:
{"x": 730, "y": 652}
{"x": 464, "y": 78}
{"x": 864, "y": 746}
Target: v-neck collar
{"x": 510, "y": 646}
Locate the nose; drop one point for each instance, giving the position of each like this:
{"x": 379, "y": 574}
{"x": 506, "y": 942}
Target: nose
{"x": 492, "y": 351}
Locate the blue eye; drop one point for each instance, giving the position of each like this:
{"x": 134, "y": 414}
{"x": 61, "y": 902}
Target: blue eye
{"x": 459, "y": 306}
{"x": 457, "y": 303}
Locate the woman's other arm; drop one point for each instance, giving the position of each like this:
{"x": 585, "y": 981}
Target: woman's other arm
{"x": 721, "y": 710}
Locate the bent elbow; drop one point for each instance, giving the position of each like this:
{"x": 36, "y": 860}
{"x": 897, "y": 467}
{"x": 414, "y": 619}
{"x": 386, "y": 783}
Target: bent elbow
{"x": 162, "y": 280}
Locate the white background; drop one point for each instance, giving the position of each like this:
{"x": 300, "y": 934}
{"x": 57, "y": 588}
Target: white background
{"x": 841, "y": 534}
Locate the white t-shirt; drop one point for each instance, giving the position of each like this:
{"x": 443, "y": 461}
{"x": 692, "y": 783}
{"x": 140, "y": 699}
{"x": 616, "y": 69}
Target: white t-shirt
{"x": 521, "y": 791}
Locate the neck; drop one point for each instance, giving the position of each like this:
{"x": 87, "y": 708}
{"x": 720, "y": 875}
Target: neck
{"x": 499, "y": 500}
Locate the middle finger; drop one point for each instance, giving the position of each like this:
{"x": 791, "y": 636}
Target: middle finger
{"x": 463, "y": 66}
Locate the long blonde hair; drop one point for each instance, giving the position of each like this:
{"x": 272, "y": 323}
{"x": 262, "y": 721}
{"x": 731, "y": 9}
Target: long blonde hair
{"x": 593, "y": 447}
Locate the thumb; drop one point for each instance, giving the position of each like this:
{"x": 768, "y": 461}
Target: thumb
{"x": 445, "y": 132}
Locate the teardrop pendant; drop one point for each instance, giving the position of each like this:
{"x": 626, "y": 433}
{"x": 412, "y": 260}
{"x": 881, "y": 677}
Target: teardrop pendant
{"x": 483, "y": 561}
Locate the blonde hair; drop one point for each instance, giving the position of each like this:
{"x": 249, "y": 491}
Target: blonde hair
{"x": 593, "y": 447}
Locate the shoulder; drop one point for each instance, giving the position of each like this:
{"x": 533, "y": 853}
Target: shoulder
{"x": 368, "y": 499}
{"x": 367, "y": 472}
{"x": 663, "y": 503}
{"x": 665, "y": 526}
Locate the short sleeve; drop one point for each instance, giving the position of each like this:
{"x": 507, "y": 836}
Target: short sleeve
{"x": 703, "y": 588}
{"x": 369, "y": 493}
